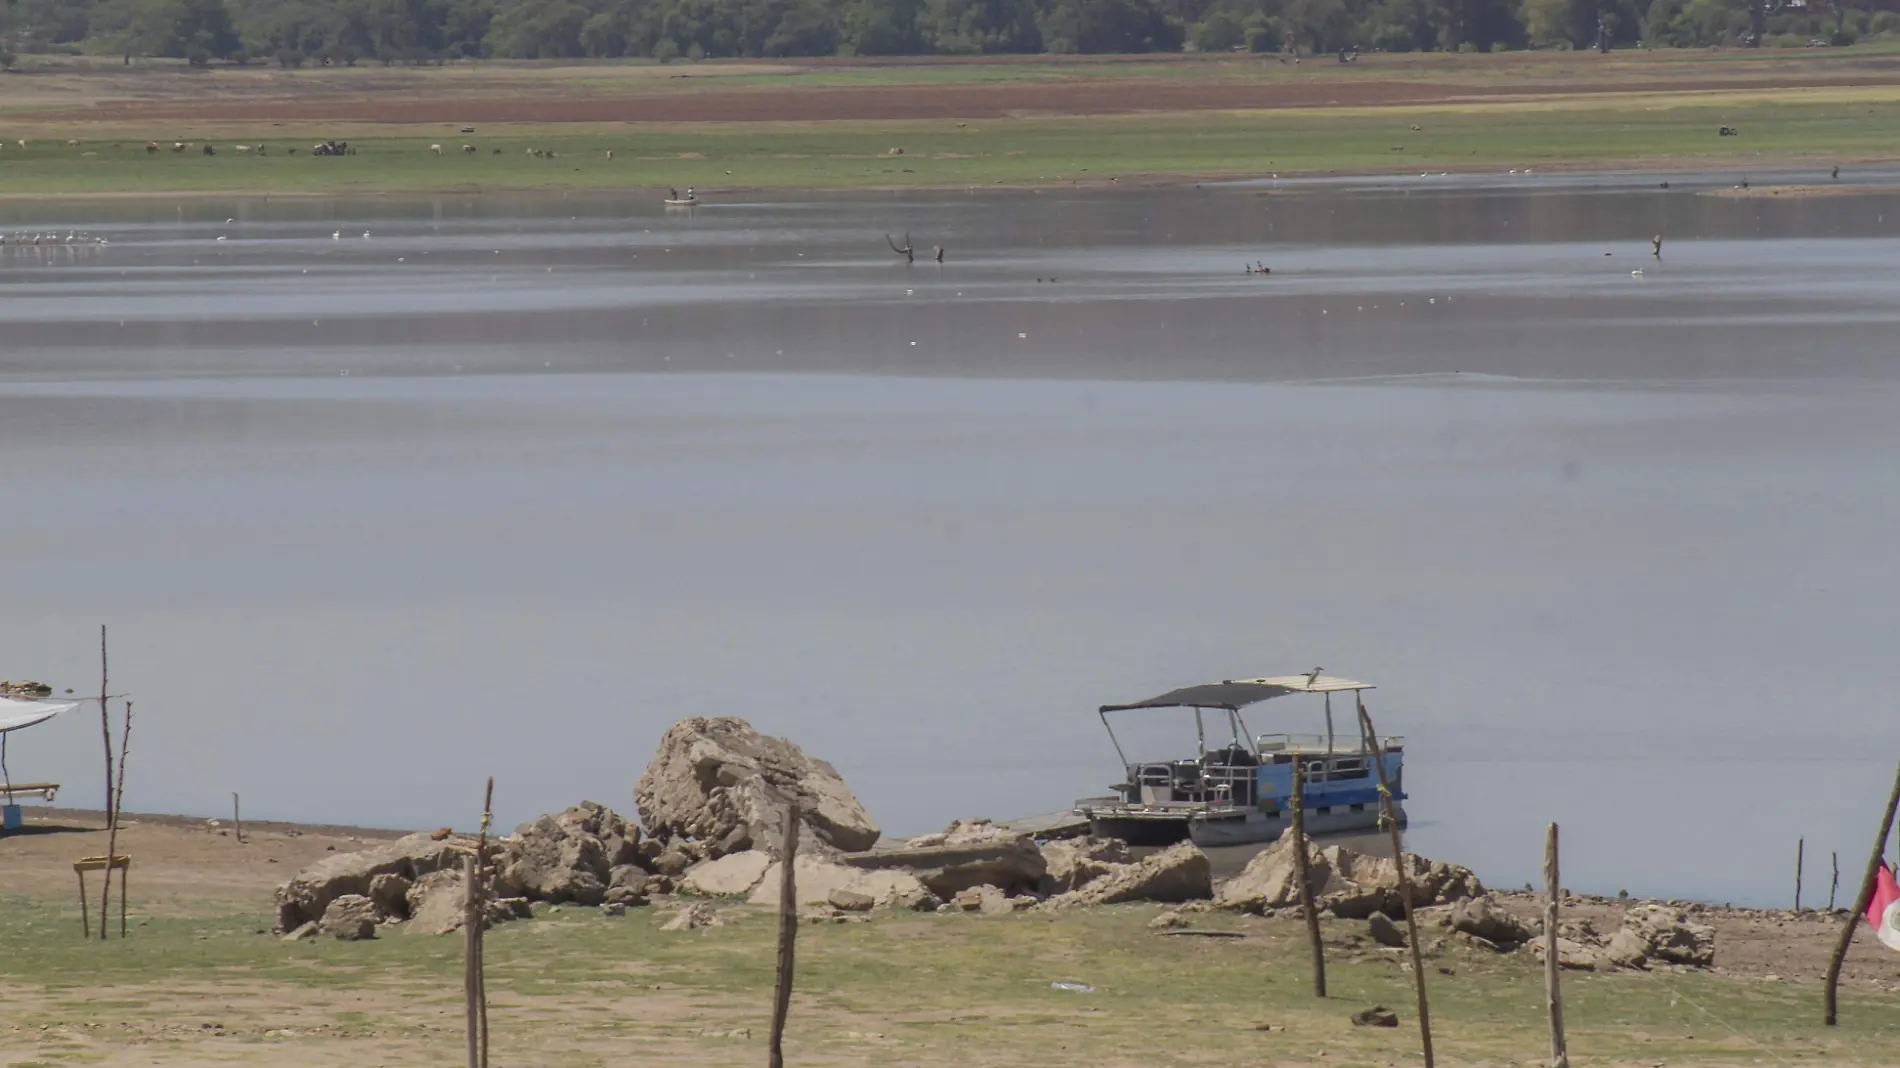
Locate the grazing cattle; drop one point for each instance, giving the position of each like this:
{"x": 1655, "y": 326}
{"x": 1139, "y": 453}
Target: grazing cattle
{"x": 610, "y": 155}
{"x": 240, "y": 149}
{"x": 209, "y": 151}
{"x": 151, "y": 146}
{"x": 468, "y": 129}
{"x": 468, "y": 150}
{"x": 437, "y": 149}
{"x": 178, "y": 146}
{"x": 72, "y": 144}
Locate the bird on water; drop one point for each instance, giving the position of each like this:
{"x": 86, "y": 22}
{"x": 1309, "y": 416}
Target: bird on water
{"x": 1656, "y": 249}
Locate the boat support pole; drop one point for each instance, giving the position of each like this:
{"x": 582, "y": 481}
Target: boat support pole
{"x": 1111, "y": 737}
{"x": 1405, "y": 883}
{"x": 1329, "y": 723}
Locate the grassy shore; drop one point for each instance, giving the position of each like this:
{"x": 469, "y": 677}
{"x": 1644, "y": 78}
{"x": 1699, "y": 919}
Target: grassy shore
{"x": 578, "y": 988}
{"x": 86, "y": 133}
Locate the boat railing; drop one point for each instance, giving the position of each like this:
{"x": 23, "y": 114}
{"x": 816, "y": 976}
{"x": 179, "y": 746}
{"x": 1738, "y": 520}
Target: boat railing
{"x": 1319, "y": 743}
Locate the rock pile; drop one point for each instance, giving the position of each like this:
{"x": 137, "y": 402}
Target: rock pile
{"x": 25, "y": 690}
{"x": 1176, "y": 874}
{"x": 726, "y": 787}
{"x": 1349, "y": 884}
{"x": 1660, "y": 934}
{"x": 967, "y": 854}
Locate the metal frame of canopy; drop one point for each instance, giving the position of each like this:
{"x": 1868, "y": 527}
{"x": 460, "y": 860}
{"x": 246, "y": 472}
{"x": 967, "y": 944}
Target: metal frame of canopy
{"x": 1232, "y": 695}
{"x": 15, "y": 715}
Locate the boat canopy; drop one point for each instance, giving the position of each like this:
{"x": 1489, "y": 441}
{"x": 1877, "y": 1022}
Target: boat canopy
{"x": 16, "y": 714}
{"x": 1236, "y": 694}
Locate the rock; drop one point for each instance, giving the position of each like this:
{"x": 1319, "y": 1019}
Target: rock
{"x": 850, "y": 900}
{"x": 350, "y": 918}
{"x": 1571, "y": 954}
{"x": 1377, "y": 1016}
{"x": 1627, "y": 949}
{"x": 817, "y": 877}
{"x": 569, "y": 856}
{"x": 390, "y": 892}
{"x": 970, "y": 853}
{"x": 673, "y": 863}
{"x": 733, "y": 875}
{"x": 918, "y": 899}
{"x": 1484, "y": 918}
{"x": 721, "y": 783}
{"x": 307, "y": 896}
{"x": 304, "y": 931}
{"x": 1178, "y": 873}
{"x": 613, "y": 908}
{"x": 1384, "y": 931}
{"x": 1667, "y": 935}
{"x": 693, "y": 917}
{"x": 1363, "y": 885}
{"x": 1075, "y": 862}
{"x": 1168, "y": 921}
{"x": 985, "y": 899}
{"x": 1271, "y": 879}
{"x": 627, "y": 897}
{"x": 438, "y": 905}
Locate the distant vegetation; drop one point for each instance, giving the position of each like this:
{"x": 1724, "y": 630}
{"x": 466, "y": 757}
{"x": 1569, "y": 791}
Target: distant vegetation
{"x": 297, "y": 32}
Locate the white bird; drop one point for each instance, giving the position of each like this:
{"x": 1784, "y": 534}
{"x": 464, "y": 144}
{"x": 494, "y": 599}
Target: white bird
{"x": 228, "y": 222}
{"x": 1313, "y": 675}
{"x": 366, "y": 235}
{"x": 336, "y": 235}
{"x": 1637, "y": 273}
{"x": 221, "y": 237}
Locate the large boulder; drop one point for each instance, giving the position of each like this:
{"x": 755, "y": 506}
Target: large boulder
{"x": 308, "y": 894}
{"x": 1076, "y": 862}
{"x": 351, "y": 918}
{"x": 969, "y": 853}
{"x": 1484, "y": 918}
{"x": 569, "y": 857}
{"x": 1271, "y": 879}
{"x": 724, "y": 785}
{"x": 1176, "y": 874}
{"x": 1360, "y": 885}
{"x": 1664, "y": 934}
{"x": 815, "y": 879}
{"x": 438, "y": 905}
{"x": 733, "y": 875}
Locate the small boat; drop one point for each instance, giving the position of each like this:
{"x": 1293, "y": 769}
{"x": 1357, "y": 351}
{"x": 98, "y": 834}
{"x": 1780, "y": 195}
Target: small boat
{"x": 683, "y": 202}
{"x": 1238, "y": 793}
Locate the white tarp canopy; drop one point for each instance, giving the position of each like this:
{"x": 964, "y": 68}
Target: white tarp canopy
{"x": 15, "y": 713}
{"x": 1235, "y": 694}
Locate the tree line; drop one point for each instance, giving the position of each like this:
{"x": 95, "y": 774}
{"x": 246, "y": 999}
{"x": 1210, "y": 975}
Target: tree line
{"x": 294, "y": 33}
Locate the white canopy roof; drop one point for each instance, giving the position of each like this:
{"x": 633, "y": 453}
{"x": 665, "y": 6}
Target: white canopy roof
{"x": 15, "y": 714}
{"x": 1239, "y": 693}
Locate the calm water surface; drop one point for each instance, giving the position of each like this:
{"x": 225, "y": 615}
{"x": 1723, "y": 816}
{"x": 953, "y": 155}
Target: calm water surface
{"x": 510, "y": 485}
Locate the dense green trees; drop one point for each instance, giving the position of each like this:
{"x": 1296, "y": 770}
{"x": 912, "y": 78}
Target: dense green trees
{"x": 295, "y": 32}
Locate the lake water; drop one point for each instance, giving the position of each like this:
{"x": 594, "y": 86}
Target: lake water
{"x": 511, "y": 484}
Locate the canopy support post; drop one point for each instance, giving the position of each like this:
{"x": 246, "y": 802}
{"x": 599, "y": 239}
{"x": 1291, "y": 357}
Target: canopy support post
{"x": 1200, "y": 734}
{"x": 1329, "y": 722}
{"x": 1111, "y": 737}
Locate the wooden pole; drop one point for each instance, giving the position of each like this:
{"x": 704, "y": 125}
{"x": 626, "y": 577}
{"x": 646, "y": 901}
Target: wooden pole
{"x": 1861, "y": 900}
{"x": 1834, "y": 883}
{"x": 1405, "y": 882}
{"x": 481, "y": 941}
{"x": 237, "y": 818}
{"x": 1297, "y": 803}
{"x": 117, "y": 795}
{"x": 787, "y": 935}
{"x": 1800, "y": 848}
{"x": 105, "y": 726}
{"x": 1553, "y": 996}
{"x": 471, "y": 959}
{"x": 85, "y": 919}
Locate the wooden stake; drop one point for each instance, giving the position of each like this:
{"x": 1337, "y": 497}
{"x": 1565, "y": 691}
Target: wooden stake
{"x": 237, "y": 818}
{"x": 105, "y": 727}
{"x": 1405, "y": 882}
{"x": 1861, "y": 900}
{"x": 117, "y": 794}
{"x": 787, "y": 935}
{"x": 471, "y": 959}
{"x": 1800, "y": 848}
{"x": 1297, "y": 803}
{"x": 1559, "y": 1056}
{"x": 481, "y": 942}
{"x": 1834, "y": 883}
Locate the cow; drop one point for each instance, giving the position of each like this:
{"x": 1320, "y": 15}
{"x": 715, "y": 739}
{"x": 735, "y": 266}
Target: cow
{"x": 437, "y": 149}
{"x": 468, "y": 150}
{"x": 209, "y": 151}
{"x": 151, "y": 146}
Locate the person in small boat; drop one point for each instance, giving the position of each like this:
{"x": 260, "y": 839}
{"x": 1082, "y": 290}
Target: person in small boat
{"x": 689, "y": 193}
{"x": 672, "y": 194}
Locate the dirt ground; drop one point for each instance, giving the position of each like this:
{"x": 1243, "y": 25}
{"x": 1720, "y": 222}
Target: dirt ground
{"x": 800, "y": 92}
{"x": 178, "y": 863}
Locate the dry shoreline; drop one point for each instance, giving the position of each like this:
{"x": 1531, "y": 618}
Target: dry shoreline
{"x": 1662, "y": 170}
